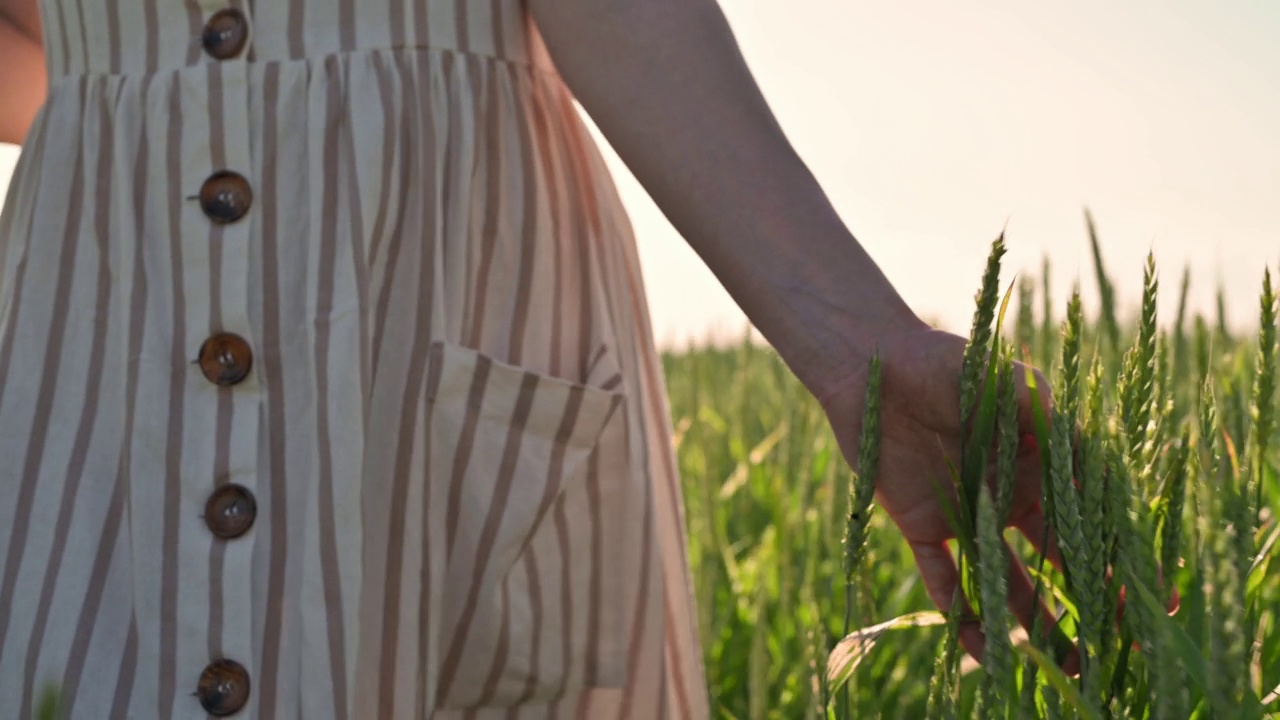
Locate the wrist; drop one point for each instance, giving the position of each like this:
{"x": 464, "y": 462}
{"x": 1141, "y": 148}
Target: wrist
{"x": 830, "y": 337}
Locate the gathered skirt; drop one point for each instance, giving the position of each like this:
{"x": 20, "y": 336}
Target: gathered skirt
{"x": 327, "y": 387}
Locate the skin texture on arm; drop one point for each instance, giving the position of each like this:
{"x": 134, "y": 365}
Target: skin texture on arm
{"x": 22, "y": 70}
{"x": 668, "y": 87}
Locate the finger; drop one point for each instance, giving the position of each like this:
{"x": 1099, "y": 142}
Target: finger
{"x": 1024, "y": 604}
{"x": 942, "y": 582}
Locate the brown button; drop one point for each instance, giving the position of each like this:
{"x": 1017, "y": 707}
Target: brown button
{"x": 226, "y": 196}
{"x": 225, "y": 359}
{"x": 225, "y": 34}
{"x": 230, "y": 510}
{"x": 223, "y": 688}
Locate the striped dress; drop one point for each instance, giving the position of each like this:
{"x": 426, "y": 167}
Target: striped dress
{"x": 327, "y": 387}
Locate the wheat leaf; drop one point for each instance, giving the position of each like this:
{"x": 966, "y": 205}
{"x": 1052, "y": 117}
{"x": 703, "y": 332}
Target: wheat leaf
{"x": 850, "y": 651}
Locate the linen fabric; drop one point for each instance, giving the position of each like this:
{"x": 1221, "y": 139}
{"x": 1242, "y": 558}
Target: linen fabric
{"x": 452, "y": 440}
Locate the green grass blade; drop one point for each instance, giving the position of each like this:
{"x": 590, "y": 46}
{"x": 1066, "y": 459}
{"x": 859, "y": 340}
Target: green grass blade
{"x": 1059, "y": 681}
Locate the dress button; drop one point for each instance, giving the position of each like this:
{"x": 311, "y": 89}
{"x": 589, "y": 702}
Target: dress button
{"x": 225, "y": 359}
{"x": 230, "y": 510}
{"x": 225, "y": 197}
{"x": 225, "y": 34}
{"x": 223, "y": 688}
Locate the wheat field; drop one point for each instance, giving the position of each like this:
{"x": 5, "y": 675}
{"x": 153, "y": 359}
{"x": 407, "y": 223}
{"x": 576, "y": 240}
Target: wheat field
{"x": 810, "y": 606}
{"x": 809, "y": 603}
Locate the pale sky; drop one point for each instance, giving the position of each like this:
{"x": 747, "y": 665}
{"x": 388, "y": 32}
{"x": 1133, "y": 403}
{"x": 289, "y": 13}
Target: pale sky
{"x": 932, "y": 123}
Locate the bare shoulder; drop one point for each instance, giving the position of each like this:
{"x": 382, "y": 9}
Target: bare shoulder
{"x": 23, "y": 15}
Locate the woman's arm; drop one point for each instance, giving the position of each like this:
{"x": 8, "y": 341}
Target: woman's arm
{"x": 22, "y": 70}
{"x": 668, "y": 87}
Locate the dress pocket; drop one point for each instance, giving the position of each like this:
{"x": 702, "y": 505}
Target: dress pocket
{"x": 530, "y": 469}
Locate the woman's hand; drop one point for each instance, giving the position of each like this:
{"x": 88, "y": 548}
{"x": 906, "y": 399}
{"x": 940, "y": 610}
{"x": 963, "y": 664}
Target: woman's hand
{"x": 668, "y": 87}
{"x": 920, "y": 431}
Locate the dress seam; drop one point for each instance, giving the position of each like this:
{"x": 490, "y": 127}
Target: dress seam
{"x": 319, "y": 58}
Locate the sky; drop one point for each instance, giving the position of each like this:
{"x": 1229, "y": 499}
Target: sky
{"x": 934, "y": 125}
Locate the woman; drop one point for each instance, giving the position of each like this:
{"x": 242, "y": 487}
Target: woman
{"x": 327, "y": 387}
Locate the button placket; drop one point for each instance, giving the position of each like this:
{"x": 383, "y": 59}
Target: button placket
{"x": 225, "y": 356}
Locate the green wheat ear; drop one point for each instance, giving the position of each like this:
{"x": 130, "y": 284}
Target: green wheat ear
{"x": 1224, "y": 592}
{"x": 861, "y": 495}
{"x": 1046, "y": 311}
{"x": 993, "y": 566}
{"x": 862, "y": 492}
{"x": 944, "y": 685}
{"x": 1068, "y": 399}
{"x": 1093, "y": 600}
{"x": 1163, "y": 401}
{"x": 1203, "y": 339}
{"x": 1025, "y": 330}
{"x": 1223, "y": 331}
{"x": 1067, "y": 521}
{"x": 978, "y": 395}
{"x": 975, "y": 353}
{"x": 1223, "y": 585}
{"x": 1138, "y": 392}
{"x": 1180, "y": 331}
{"x": 1264, "y": 387}
{"x": 1208, "y": 440}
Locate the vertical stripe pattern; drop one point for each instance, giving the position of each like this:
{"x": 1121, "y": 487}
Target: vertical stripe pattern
{"x": 452, "y": 432}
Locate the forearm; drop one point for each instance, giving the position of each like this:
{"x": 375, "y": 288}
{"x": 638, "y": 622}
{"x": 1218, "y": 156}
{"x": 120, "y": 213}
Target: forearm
{"x": 22, "y": 78}
{"x": 665, "y": 82}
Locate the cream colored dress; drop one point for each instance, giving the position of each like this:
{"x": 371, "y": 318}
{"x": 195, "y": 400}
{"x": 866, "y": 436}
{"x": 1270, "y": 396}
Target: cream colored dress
{"x": 327, "y": 387}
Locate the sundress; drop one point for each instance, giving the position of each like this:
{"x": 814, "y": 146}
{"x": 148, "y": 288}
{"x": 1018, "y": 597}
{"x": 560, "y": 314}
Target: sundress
{"x": 327, "y": 383}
